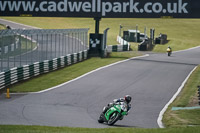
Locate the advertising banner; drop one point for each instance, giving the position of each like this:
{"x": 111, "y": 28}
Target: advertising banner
{"x": 102, "y": 8}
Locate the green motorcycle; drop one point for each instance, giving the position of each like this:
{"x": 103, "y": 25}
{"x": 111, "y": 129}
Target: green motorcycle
{"x": 114, "y": 113}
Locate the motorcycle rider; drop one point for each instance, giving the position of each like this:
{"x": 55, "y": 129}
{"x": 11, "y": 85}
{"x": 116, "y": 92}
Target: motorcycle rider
{"x": 127, "y": 99}
{"x": 169, "y": 49}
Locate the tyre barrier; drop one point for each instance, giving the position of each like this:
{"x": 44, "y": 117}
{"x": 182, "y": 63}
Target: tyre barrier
{"x": 17, "y": 74}
{"x": 198, "y": 93}
{"x": 146, "y": 45}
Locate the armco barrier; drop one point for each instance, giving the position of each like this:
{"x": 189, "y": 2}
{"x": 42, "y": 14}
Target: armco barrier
{"x": 122, "y": 41}
{"x": 17, "y": 74}
{"x": 123, "y": 46}
{"x": 117, "y": 48}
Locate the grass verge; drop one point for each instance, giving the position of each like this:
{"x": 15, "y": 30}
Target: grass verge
{"x": 187, "y": 97}
{"x": 2, "y": 27}
{"x": 43, "y": 129}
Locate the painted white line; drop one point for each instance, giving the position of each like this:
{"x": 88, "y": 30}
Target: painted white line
{"x": 159, "y": 120}
{"x": 186, "y": 49}
{"x": 86, "y": 75}
{"x": 52, "y": 88}
{"x": 25, "y": 93}
{"x": 20, "y": 24}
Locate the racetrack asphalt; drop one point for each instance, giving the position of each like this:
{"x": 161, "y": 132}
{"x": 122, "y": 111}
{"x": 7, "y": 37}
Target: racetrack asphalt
{"x": 151, "y": 81}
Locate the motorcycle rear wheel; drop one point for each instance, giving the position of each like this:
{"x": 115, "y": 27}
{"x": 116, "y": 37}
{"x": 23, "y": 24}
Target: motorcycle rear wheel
{"x": 169, "y": 53}
{"x": 100, "y": 120}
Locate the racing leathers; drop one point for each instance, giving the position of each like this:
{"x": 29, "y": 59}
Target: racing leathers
{"x": 116, "y": 101}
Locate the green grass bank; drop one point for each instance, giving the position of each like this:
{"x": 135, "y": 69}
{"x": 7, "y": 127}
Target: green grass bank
{"x": 41, "y": 129}
{"x": 187, "y": 98}
{"x": 2, "y": 27}
{"x": 182, "y": 33}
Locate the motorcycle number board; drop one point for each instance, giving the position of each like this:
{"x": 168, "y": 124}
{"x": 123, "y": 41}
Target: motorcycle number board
{"x": 101, "y": 8}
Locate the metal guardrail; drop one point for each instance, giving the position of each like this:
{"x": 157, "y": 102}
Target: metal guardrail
{"x": 17, "y": 74}
{"x": 28, "y": 53}
{"x": 20, "y": 47}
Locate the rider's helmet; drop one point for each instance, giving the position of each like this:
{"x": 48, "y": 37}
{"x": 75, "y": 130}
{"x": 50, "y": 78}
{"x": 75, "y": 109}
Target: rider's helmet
{"x": 128, "y": 98}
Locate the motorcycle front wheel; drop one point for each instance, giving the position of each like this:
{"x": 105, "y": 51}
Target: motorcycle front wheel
{"x": 114, "y": 117}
